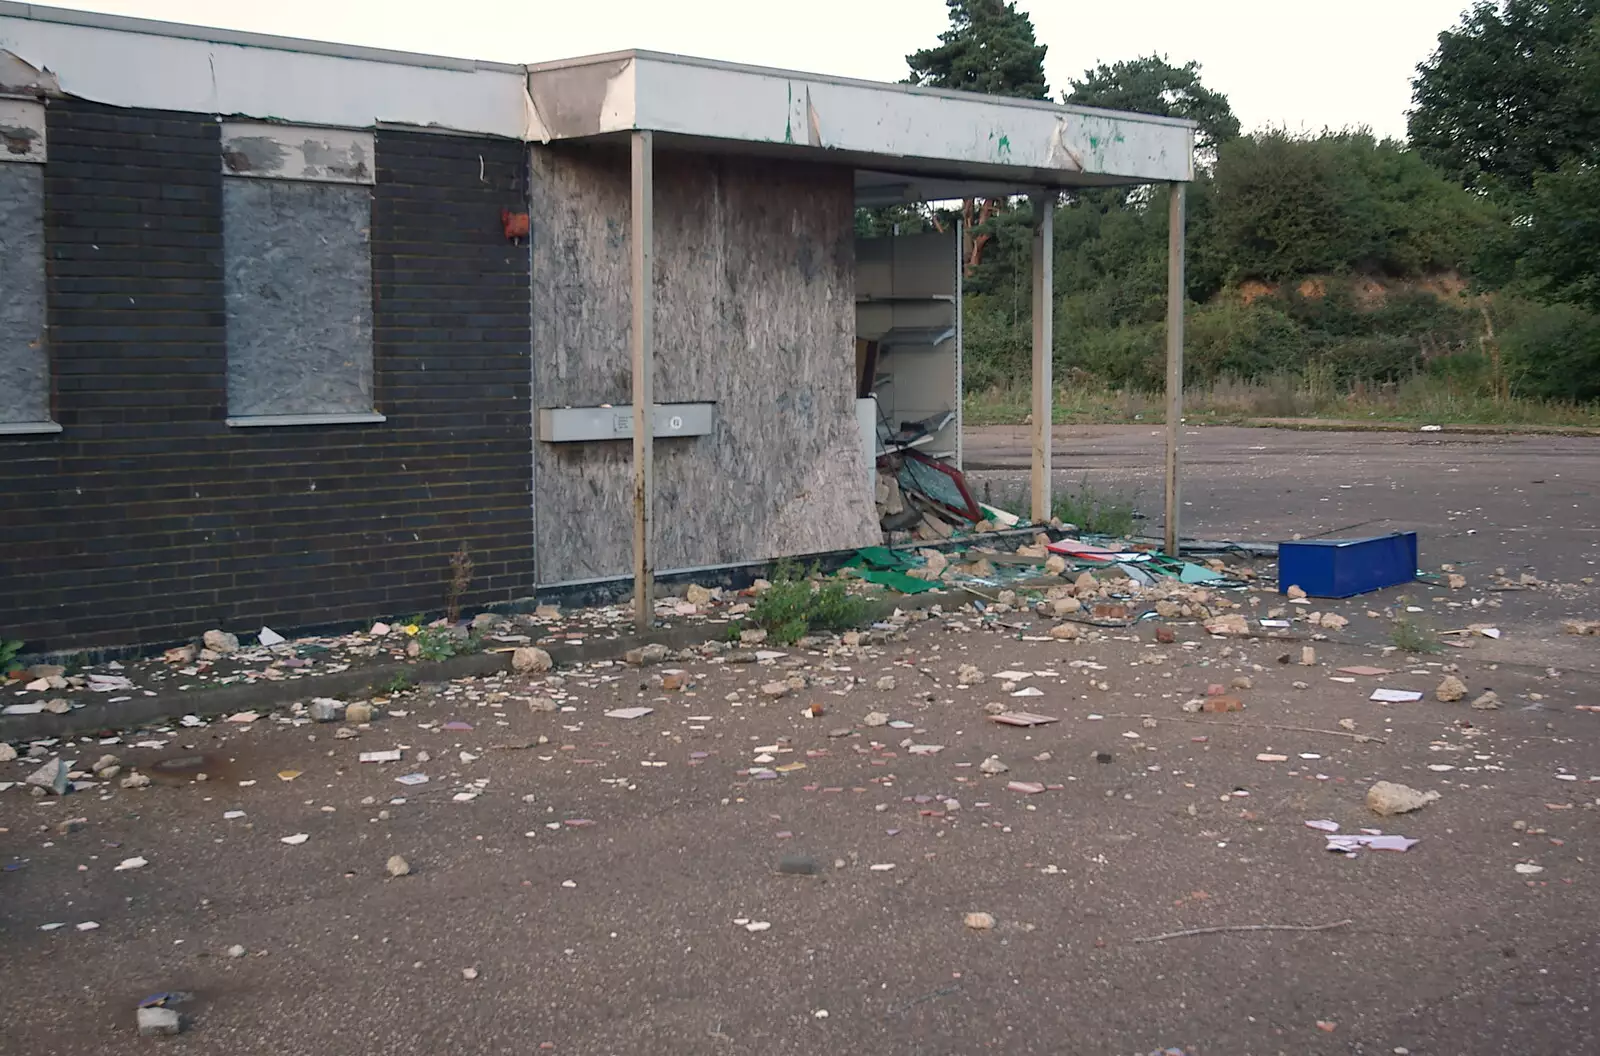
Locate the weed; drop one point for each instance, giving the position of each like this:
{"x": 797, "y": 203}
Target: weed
{"x": 735, "y": 629}
{"x": 1095, "y": 513}
{"x": 1422, "y": 397}
{"x": 9, "y": 650}
{"x": 397, "y": 684}
{"x": 460, "y": 580}
{"x": 441, "y": 643}
{"x": 1409, "y": 636}
{"x": 792, "y": 607}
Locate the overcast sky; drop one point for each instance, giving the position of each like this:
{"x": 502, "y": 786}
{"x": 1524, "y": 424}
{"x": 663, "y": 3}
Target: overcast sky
{"x": 1303, "y": 65}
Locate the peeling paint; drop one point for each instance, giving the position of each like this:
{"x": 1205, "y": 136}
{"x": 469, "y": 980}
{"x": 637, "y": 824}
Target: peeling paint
{"x": 22, "y": 131}
{"x": 570, "y": 101}
{"x": 285, "y": 152}
{"x": 17, "y": 140}
{"x": 19, "y": 75}
{"x": 813, "y": 123}
{"x": 345, "y": 163}
{"x": 254, "y": 155}
{"x": 1061, "y": 155}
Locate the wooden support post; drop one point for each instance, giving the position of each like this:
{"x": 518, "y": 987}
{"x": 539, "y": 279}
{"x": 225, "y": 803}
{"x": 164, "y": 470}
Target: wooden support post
{"x": 1175, "y": 292}
{"x": 641, "y": 345}
{"x": 1043, "y": 341}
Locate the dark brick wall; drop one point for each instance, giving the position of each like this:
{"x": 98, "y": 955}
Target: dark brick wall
{"x": 148, "y": 519}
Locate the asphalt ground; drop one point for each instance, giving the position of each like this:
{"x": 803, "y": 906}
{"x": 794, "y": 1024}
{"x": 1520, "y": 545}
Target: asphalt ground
{"x": 595, "y": 884}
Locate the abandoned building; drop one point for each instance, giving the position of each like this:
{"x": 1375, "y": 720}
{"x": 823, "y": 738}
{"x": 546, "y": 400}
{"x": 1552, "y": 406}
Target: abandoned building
{"x": 287, "y": 323}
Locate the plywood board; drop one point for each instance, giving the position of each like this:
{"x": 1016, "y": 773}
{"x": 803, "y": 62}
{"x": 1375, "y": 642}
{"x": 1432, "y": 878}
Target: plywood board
{"x": 755, "y": 294}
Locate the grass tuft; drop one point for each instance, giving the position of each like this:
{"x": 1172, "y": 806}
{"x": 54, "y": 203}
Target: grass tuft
{"x": 793, "y": 607}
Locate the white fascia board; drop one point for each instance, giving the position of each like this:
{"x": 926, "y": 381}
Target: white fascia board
{"x": 717, "y": 100}
{"x": 124, "y": 65}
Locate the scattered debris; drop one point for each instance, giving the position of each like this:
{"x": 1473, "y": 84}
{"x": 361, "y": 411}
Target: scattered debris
{"x": 130, "y": 863}
{"x": 155, "y": 1021}
{"x": 1387, "y": 798}
{"x": 530, "y": 659}
{"x": 220, "y": 642}
{"x": 638, "y": 712}
{"x": 1450, "y": 690}
{"x": 1489, "y": 701}
{"x": 1395, "y": 696}
{"x": 992, "y": 766}
{"x": 1231, "y": 624}
{"x": 1022, "y": 718}
{"x": 398, "y": 866}
{"x": 51, "y": 777}
{"x": 325, "y": 709}
{"x": 979, "y": 921}
{"x": 1372, "y": 840}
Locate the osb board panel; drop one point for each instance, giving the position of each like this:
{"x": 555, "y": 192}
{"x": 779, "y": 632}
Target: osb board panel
{"x": 755, "y": 311}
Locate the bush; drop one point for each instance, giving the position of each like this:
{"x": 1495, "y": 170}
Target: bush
{"x": 792, "y": 607}
{"x": 1552, "y": 352}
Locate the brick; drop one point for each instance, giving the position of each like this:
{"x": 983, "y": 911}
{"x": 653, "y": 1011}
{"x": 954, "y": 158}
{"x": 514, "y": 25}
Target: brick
{"x": 148, "y": 519}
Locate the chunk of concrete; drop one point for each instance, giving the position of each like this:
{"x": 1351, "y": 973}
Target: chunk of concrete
{"x": 1388, "y": 798}
{"x": 158, "y": 1022}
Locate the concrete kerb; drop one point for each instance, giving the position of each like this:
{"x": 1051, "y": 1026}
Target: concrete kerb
{"x": 369, "y": 679}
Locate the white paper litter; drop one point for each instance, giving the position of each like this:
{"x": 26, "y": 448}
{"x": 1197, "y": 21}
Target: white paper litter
{"x": 1323, "y": 825}
{"x": 392, "y": 755}
{"x": 99, "y": 683}
{"x": 412, "y": 779}
{"x": 638, "y": 712}
{"x": 22, "y": 709}
{"x": 1013, "y": 676}
{"x": 1528, "y": 869}
{"x": 1029, "y": 691}
{"x": 130, "y": 863}
{"x": 1352, "y": 842}
{"x": 229, "y": 815}
{"x": 270, "y": 637}
{"x": 1395, "y": 696}
{"x": 296, "y": 840}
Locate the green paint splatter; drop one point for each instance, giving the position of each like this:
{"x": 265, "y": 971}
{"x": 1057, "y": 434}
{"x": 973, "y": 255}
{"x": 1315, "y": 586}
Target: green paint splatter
{"x": 1004, "y": 148}
{"x": 788, "y": 121}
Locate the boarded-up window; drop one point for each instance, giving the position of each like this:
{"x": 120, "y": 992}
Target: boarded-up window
{"x": 24, "y": 353}
{"x": 297, "y": 261}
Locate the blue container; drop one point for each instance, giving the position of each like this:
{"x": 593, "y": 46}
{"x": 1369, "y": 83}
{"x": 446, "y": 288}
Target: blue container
{"x": 1343, "y": 568}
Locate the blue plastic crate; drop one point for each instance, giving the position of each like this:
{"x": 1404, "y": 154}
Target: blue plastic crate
{"x": 1343, "y": 568}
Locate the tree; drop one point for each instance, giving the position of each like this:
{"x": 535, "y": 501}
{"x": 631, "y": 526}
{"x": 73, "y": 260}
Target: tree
{"x": 1560, "y": 238}
{"x": 989, "y": 48}
{"x": 1289, "y": 206}
{"x": 1152, "y": 85}
{"x": 1512, "y": 92}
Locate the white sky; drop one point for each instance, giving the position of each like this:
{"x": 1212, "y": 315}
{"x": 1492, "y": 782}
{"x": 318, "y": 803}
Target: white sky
{"x": 1304, "y": 65}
